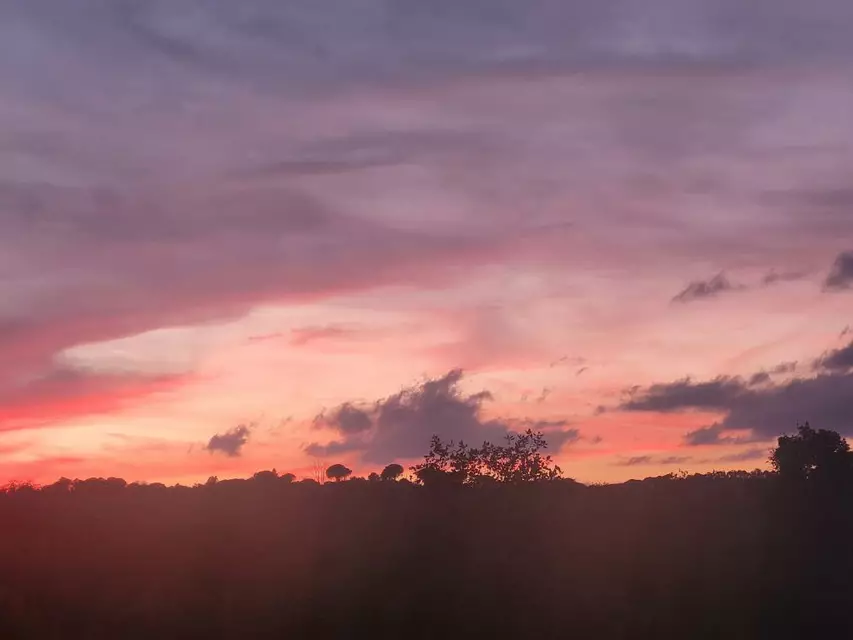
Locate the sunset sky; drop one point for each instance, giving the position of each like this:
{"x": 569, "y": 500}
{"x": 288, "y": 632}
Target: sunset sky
{"x": 338, "y": 223}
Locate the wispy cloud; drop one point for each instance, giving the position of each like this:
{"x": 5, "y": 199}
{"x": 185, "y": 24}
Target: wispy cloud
{"x": 701, "y": 289}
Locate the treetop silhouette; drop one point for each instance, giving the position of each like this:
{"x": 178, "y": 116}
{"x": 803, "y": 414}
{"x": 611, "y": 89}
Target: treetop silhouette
{"x": 518, "y": 461}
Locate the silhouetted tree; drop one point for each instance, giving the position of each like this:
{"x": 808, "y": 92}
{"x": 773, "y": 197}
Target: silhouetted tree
{"x": 810, "y": 454}
{"x": 441, "y": 464}
{"x": 518, "y": 461}
{"x": 287, "y": 478}
{"x": 392, "y": 472}
{"x": 373, "y": 477}
{"x": 338, "y": 472}
{"x": 267, "y": 477}
{"x": 60, "y": 487}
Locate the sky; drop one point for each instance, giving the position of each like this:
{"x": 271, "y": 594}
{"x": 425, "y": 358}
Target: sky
{"x": 282, "y": 234}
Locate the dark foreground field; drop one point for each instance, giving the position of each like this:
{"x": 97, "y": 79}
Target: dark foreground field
{"x": 737, "y": 556}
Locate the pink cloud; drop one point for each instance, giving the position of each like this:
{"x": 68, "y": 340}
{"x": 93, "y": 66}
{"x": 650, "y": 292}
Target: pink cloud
{"x": 66, "y": 394}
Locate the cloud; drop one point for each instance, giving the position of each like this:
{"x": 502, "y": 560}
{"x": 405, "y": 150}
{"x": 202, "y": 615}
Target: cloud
{"x": 108, "y": 231}
{"x": 708, "y": 435}
{"x": 701, "y": 289}
{"x": 347, "y": 419}
{"x": 775, "y": 277}
{"x": 759, "y": 378}
{"x": 304, "y": 335}
{"x": 163, "y": 263}
{"x": 716, "y": 395}
{"x": 648, "y": 460}
{"x": 62, "y": 392}
{"x": 635, "y": 461}
{"x": 823, "y": 400}
{"x": 402, "y": 425}
{"x": 840, "y": 276}
{"x": 764, "y": 412}
{"x": 837, "y": 360}
{"x": 784, "y": 367}
{"x": 334, "y": 448}
{"x": 231, "y": 442}
{"x": 750, "y": 454}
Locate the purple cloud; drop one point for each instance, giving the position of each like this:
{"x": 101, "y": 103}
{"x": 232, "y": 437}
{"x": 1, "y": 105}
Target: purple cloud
{"x": 235, "y": 164}
{"x": 401, "y": 426}
{"x": 700, "y": 289}
{"x": 840, "y": 276}
{"x": 231, "y": 442}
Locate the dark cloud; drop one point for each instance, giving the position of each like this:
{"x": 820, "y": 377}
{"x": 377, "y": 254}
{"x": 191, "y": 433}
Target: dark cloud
{"x": 334, "y": 448}
{"x": 840, "y": 276}
{"x": 744, "y": 456}
{"x": 784, "y": 367}
{"x": 823, "y": 400}
{"x": 707, "y": 435}
{"x": 716, "y": 395}
{"x": 401, "y": 425}
{"x": 635, "y": 461}
{"x": 347, "y": 419}
{"x": 764, "y": 412}
{"x": 701, "y": 289}
{"x": 837, "y": 360}
{"x": 759, "y": 378}
{"x": 647, "y": 460}
{"x": 231, "y": 442}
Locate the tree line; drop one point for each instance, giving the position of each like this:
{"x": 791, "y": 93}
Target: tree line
{"x": 489, "y": 541}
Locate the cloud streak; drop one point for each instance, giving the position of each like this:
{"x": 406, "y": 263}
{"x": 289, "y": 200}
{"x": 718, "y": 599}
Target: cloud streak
{"x": 702, "y": 289}
{"x": 63, "y": 393}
